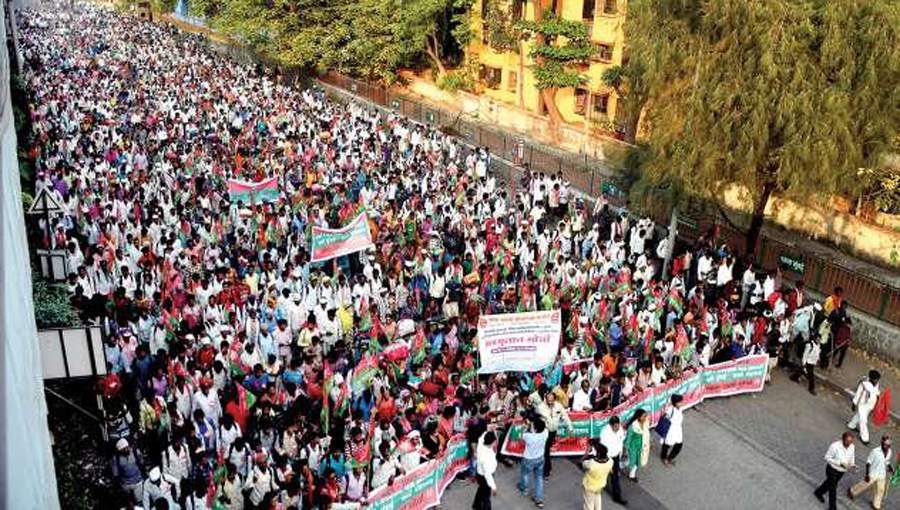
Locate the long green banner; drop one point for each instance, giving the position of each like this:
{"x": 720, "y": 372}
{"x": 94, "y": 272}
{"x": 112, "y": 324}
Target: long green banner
{"x": 745, "y": 375}
{"x": 422, "y": 487}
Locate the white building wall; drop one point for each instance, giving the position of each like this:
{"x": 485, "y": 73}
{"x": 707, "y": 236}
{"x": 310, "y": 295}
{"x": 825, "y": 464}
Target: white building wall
{"x": 27, "y": 476}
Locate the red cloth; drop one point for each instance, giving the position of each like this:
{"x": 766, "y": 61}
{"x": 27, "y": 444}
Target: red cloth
{"x": 882, "y": 408}
{"x": 238, "y": 412}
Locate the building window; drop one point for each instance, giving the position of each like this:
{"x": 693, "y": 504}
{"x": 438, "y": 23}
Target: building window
{"x": 610, "y": 7}
{"x": 602, "y": 53}
{"x": 490, "y": 76}
{"x": 600, "y": 104}
{"x": 581, "y": 98}
{"x": 587, "y": 9}
{"x": 511, "y": 80}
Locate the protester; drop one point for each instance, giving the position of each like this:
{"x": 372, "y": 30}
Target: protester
{"x": 878, "y": 465}
{"x": 637, "y": 442}
{"x": 612, "y": 437}
{"x": 864, "y": 400}
{"x": 532, "y": 465}
{"x": 126, "y": 469}
{"x": 811, "y": 351}
{"x": 597, "y": 467}
{"x": 486, "y": 465}
{"x": 840, "y": 457}
{"x": 674, "y": 439}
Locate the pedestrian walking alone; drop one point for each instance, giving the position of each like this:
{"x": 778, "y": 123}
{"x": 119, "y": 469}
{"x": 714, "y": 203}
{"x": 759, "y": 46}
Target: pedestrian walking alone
{"x": 674, "y": 439}
{"x": 878, "y": 465}
{"x": 840, "y": 457}
{"x": 864, "y": 400}
{"x": 485, "y": 466}
{"x": 596, "y": 471}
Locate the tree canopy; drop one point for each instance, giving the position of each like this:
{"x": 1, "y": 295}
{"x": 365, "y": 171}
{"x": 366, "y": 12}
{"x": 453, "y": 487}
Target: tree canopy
{"x": 560, "y": 46}
{"x": 368, "y": 38}
{"x": 785, "y": 97}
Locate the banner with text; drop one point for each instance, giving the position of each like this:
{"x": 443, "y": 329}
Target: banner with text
{"x": 422, "y": 487}
{"x": 330, "y": 243}
{"x": 745, "y": 375}
{"x": 254, "y": 192}
{"x": 518, "y": 342}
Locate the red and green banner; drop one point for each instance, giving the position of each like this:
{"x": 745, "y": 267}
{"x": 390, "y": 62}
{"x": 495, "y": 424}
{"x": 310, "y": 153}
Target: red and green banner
{"x": 331, "y": 243}
{"x": 745, "y": 375}
{"x": 254, "y": 192}
{"x": 422, "y": 487}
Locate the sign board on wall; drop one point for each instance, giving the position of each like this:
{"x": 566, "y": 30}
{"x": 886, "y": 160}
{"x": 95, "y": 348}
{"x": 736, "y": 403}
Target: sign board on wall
{"x": 792, "y": 263}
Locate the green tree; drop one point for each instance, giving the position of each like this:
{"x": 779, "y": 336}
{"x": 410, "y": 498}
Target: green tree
{"x": 559, "y": 47}
{"x": 783, "y": 97}
{"x": 369, "y": 38}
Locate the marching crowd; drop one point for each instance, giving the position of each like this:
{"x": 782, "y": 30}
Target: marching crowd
{"x": 245, "y": 376}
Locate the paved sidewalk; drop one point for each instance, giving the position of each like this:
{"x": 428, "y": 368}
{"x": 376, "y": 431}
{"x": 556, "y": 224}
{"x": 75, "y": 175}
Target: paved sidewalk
{"x": 856, "y": 365}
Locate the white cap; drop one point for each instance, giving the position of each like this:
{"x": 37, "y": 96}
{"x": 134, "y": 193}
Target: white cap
{"x": 155, "y": 474}
{"x": 121, "y": 444}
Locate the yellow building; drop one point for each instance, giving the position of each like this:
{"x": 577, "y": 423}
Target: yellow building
{"x": 506, "y": 74}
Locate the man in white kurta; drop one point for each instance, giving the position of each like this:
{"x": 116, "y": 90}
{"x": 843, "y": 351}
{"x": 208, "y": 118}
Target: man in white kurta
{"x": 864, "y": 401}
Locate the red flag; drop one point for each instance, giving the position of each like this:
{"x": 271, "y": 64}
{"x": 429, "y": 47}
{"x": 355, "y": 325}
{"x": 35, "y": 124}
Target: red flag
{"x": 882, "y": 408}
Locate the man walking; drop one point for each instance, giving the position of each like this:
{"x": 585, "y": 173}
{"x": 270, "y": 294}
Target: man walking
{"x": 596, "y": 471}
{"x": 612, "y": 437}
{"x": 878, "y": 464}
{"x": 811, "y": 351}
{"x": 485, "y": 466}
{"x": 840, "y": 457}
{"x": 532, "y": 465}
{"x": 864, "y": 401}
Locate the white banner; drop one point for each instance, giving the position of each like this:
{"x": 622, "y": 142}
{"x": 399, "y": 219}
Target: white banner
{"x": 518, "y": 342}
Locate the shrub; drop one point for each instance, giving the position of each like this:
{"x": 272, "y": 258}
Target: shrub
{"x": 455, "y": 80}
{"x": 52, "y": 308}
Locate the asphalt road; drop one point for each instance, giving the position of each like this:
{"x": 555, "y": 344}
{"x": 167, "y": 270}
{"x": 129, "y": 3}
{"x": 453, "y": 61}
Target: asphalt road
{"x": 754, "y": 452}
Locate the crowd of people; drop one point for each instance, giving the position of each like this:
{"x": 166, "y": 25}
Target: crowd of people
{"x": 244, "y": 376}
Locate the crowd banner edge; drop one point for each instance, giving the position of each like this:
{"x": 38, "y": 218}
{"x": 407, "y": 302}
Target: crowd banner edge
{"x": 744, "y": 375}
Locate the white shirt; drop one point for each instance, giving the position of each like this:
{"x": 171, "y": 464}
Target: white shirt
{"x": 486, "y": 463}
{"x": 676, "y": 430}
{"x": 866, "y": 396}
{"x": 534, "y": 444}
{"x": 840, "y": 457}
{"x": 811, "y": 352}
{"x": 581, "y": 401}
{"x": 704, "y": 266}
{"x": 878, "y": 462}
{"x": 612, "y": 440}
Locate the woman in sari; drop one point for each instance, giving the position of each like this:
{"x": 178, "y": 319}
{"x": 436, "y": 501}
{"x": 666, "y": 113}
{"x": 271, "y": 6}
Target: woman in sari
{"x": 637, "y": 442}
